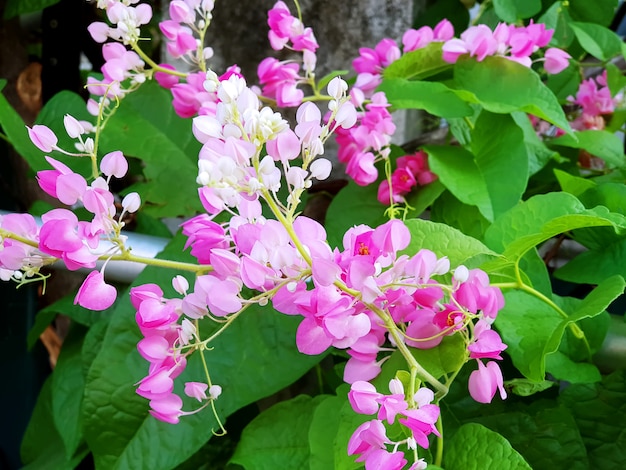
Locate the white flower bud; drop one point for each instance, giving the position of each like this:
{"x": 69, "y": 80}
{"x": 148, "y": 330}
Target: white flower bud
{"x": 131, "y": 202}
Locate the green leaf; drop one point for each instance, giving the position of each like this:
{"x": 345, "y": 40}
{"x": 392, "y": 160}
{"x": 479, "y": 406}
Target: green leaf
{"x": 423, "y": 197}
{"x": 64, "y": 306}
{"x": 348, "y": 422}
{"x": 547, "y": 438}
{"x": 279, "y": 436}
{"x": 448, "y": 210}
{"x": 538, "y": 154}
{"x": 433, "y": 97}
{"x": 513, "y": 10}
{"x": 503, "y": 86}
{"x": 326, "y": 418}
{"x": 557, "y": 18}
{"x": 116, "y": 424}
{"x": 530, "y": 217}
{"x": 600, "y": 413}
{"x": 20, "y": 7}
{"x": 600, "y": 42}
{"x": 452, "y": 10}
{"x": 444, "y": 241}
{"x": 446, "y": 358}
{"x": 590, "y": 267}
{"x": 42, "y": 446}
{"x": 532, "y": 329}
{"x": 14, "y": 128}
{"x": 526, "y": 388}
{"x": 474, "y": 447}
{"x": 527, "y": 326}
{"x": 459, "y": 173}
{"x": 602, "y": 144}
{"x": 164, "y": 142}
{"x": 565, "y": 83}
{"x": 600, "y": 11}
{"x": 562, "y": 367}
{"x": 574, "y": 185}
{"x": 501, "y": 157}
{"x": 68, "y": 383}
{"x": 419, "y": 64}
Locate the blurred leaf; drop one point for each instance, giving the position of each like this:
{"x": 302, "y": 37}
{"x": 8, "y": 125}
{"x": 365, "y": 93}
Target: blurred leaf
{"x": 600, "y": 42}
{"x": 562, "y": 367}
{"x": 513, "y": 10}
{"x": 557, "y": 18}
{"x": 565, "y": 83}
{"x": 574, "y": 185}
{"x": 20, "y": 7}
{"x": 602, "y": 144}
{"x": 599, "y": 11}
{"x": 14, "y": 128}
{"x": 452, "y": 10}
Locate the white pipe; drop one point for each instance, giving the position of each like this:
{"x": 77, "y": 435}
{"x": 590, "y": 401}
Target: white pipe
{"x": 146, "y": 246}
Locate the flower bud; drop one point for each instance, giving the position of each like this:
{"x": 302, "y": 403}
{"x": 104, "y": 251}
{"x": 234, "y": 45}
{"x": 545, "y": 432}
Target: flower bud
{"x": 131, "y": 202}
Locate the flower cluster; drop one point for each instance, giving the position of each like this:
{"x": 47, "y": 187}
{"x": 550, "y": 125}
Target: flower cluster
{"x": 185, "y": 30}
{"x": 61, "y": 235}
{"x": 361, "y": 146}
{"x": 411, "y": 171}
{"x": 417, "y": 416}
{"x": 595, "y": 102}
{"x": 516, "y": 43}
{"x": 165, "y": 345}
{"x": 280, "y": 79}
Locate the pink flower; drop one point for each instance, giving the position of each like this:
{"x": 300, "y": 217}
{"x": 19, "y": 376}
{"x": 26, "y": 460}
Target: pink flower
{"x": 487, "y": 343}
{"x": 94, "y": 293}
{"x": 43, "y": 138}
{"x": 196, "y": 390}
{"x": 368, "y": 437}
{"x": 167, "y": 408}
{"x": 384, "y": 460}
{"x": 364, "y": 398}
{"x": 557, "y": 60}
{"x": 114, "y": 164}
{"x": 422, "y": 423}
{"x": 484, "y": 382}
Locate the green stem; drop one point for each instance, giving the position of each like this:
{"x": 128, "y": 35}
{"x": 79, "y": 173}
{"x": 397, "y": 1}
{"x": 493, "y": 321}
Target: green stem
{"x": 153, "y": 65}
{"x": 125, "y": 256}
{"x": 574, "y": 328}
{"x": 161, "y": 263}
{"x": 439, "y": 451}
